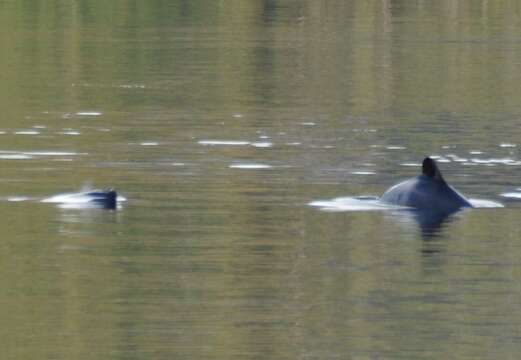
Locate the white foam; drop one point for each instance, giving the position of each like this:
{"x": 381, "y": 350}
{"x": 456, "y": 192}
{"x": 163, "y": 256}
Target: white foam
{"x": 507, "y": 145}
{"x": 69, "y": 198}
{"x": 353, "y": 204}
{"x": 395, "y": 147}
{"x": 76, "y": 198}
{"x": 149, "y": 143}
{"x": 482, "y": 203}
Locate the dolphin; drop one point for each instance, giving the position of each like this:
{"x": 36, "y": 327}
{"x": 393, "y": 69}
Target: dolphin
{"x": 427, "y": 192}
{"x": 105, "y": 199}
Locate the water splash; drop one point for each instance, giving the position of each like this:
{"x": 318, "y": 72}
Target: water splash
{"x": 85, "y": 198}
{"x": 373, "y": 203}
{"x": 485, "y": 204}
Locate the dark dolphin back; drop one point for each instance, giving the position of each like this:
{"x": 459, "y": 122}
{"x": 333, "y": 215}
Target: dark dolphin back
{"x": 426, "y": 191}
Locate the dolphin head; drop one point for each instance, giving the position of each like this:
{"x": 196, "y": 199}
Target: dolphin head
{"x": 106, "y": 199}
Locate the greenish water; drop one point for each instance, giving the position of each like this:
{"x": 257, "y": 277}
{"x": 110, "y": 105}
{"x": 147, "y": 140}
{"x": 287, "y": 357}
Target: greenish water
{"x": 220, "y": 121}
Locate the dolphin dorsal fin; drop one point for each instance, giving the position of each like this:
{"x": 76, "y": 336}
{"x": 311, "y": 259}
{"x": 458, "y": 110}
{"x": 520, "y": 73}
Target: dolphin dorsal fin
{"x": 430, "y": 169}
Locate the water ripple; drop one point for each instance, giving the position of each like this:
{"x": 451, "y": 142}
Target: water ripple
{"x": 511, "y": 195}
{"x": 89, "y": 113}
{"x": 27, "y": 132}
{"x": 26, "y": 155}
{"x": 362, "y": 203}
{"x": 223, "y": 142}
{"x": 250, "y": 166}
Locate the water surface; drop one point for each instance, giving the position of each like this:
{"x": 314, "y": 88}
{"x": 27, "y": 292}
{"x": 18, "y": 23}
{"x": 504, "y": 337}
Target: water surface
{"x": 220, "y": 121}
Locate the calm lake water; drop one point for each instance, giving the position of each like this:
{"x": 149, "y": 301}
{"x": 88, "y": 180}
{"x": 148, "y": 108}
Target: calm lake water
{"x": 220, "y": 121}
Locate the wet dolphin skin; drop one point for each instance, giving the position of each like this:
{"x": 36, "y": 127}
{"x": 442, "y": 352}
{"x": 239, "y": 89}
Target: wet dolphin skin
{"x": 428, "y": 191}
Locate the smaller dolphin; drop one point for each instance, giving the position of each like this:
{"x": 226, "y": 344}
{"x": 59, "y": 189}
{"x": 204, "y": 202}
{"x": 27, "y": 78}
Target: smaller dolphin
{"x": 428, "y": 191}
{"x": 106, "y": 199}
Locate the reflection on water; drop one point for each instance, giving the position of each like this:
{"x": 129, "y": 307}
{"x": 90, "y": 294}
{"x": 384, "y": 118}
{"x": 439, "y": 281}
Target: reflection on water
{"x": 430, "y": 222}
{"x": 220, "y": 121}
